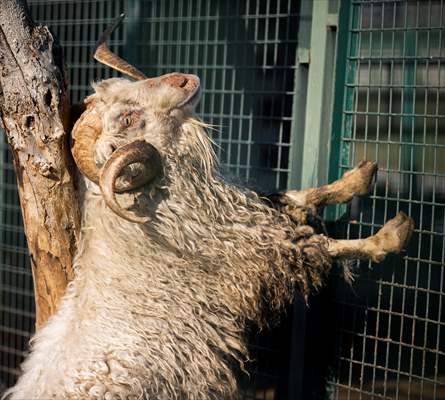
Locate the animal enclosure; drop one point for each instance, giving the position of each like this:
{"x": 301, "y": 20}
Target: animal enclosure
{"x": 386, "y": 94}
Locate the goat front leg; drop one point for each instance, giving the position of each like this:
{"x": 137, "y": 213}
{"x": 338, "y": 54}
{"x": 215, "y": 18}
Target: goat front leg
{"x": 355, "y": 182}
{"x": 303, "y": 206}
{"x": 391, "y": 238}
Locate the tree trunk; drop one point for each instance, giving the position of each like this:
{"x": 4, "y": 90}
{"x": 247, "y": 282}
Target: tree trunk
{"x": 34, "y": 112}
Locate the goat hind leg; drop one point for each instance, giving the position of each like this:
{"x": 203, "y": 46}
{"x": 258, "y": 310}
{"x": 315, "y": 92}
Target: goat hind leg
{"x": 391, "y": 238}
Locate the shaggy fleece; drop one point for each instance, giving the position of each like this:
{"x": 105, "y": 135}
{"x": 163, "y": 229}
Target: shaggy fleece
{"x": 159, "y": 311}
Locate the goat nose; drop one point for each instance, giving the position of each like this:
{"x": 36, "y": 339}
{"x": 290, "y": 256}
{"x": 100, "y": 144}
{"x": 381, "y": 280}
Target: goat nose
{"x": 184, "y": 82}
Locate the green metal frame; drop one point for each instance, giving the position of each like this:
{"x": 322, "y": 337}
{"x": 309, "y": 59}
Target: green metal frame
{"x": 316, "y": 133}
{"x": 302, "y": 63}
{"x": 338, "y": 155}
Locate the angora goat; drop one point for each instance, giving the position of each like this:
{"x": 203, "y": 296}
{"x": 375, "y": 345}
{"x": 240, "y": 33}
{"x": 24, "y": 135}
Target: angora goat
{"x": 173, "y": 260}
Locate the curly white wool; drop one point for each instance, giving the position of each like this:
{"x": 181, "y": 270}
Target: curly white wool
{"x": 159, "y": 311}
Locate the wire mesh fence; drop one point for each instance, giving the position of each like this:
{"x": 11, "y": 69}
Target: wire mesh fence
{"x": 390, "y": 333}
{"x": 16, "y": 294}
{"x": 244, "y": 53}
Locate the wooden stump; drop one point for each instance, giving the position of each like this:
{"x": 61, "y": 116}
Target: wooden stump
{"x": 34, "y": 113}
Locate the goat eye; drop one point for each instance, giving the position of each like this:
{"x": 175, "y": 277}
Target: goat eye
{"x": 126, "y": 121}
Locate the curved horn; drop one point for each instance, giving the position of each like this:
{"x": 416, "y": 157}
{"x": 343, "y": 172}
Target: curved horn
{"x": 137, "y": 151}
{"x": 104, "y": 55}
{"x": 83, "y": 137}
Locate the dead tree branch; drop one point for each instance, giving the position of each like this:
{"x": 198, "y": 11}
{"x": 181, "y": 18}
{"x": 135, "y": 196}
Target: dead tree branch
{"x": 34, "y": 112}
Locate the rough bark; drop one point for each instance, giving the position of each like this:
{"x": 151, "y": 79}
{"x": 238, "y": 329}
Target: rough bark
{"x": 34, "y": 112}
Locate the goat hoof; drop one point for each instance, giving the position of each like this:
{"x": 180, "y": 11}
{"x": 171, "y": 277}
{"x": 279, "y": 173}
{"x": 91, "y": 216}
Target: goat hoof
{"x": 396, "y": 233}
{"x": 362, "y": 177}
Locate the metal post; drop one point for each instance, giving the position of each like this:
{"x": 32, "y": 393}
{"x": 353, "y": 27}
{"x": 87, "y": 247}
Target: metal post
{"x": 316, "y": 133}
{"x": 300, "y": 96}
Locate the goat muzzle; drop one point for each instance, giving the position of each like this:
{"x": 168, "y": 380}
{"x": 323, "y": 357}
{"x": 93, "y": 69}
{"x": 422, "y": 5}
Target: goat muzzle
{"x": 187, "y": 84}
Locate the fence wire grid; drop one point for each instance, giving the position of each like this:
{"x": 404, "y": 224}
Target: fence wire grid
{"x": 390, "y": 332}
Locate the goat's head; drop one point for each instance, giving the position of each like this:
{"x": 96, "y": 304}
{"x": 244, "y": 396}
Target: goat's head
{"x": 117, "y": 141}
